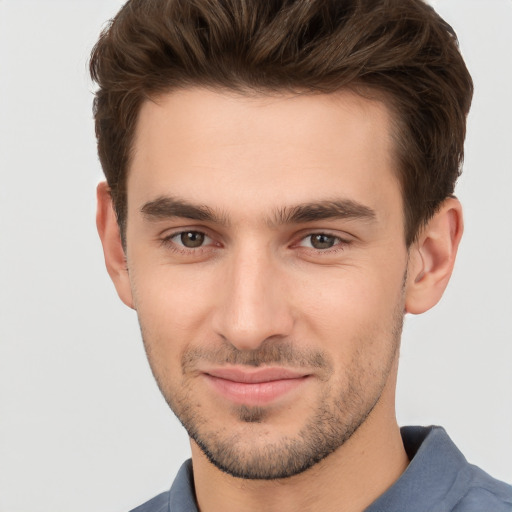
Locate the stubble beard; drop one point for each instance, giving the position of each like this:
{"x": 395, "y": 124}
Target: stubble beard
{"x": 327, "y": 428}
{"x": 337, "y": 416}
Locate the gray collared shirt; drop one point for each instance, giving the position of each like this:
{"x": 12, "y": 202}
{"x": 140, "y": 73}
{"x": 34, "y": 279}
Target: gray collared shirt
{"x": 438, "y": 479}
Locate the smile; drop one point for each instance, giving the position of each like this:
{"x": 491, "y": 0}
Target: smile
{"x": 254, "y": 387}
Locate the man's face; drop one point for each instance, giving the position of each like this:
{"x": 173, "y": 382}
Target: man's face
{"x": 266, "y": 256}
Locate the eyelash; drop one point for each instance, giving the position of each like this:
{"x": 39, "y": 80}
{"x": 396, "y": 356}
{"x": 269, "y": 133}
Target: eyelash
{"x": 340, "y": 244}
{"x": 168, "y": 242}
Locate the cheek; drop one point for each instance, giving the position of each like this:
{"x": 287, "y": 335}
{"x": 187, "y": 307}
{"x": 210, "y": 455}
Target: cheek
{"x": 352, "y": 308}
{"x": 172, "y": 305}
{"x": 349, "y": 292}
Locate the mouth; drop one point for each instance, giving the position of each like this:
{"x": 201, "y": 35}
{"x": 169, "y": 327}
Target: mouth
{"x": 254, "y": 387}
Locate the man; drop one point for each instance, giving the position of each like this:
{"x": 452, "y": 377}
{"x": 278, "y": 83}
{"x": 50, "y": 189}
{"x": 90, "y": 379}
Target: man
{"x": 279, "y": 193}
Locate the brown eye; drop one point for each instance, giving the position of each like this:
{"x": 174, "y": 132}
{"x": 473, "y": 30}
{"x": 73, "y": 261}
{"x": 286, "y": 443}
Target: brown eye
{"x": 192, "y": 239}
{"x": 322, "y": 241}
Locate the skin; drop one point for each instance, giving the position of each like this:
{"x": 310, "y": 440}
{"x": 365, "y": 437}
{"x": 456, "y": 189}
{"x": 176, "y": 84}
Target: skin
{"x": 273, "y": 283}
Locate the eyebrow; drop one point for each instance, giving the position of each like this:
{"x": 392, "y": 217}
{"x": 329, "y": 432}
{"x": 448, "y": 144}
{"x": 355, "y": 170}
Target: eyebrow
{"x": 324, "y": 210}
{"x": 171, "y": 207}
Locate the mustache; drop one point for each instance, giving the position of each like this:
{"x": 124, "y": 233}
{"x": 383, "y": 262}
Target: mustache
{"x": 270, "y": 352}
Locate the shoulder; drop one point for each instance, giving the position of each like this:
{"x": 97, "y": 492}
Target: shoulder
{"x": 180, "y": 498}
{"x": 159, "y": 503}
{"x": 440, "y": 479}
{"x": 484, "y": 493}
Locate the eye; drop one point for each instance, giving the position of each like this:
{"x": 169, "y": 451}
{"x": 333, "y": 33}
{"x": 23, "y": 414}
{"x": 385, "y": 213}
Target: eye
{"x": 320, "y": 241}
{"x": 190, "y": 239}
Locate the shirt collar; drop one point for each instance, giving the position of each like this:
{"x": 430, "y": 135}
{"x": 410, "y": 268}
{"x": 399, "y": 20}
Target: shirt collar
{"x": 436, "y": 465}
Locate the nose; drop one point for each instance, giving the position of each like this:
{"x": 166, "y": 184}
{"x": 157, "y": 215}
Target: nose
{"x": 253, "y": 304}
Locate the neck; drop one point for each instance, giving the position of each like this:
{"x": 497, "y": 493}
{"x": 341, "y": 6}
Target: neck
{"x": 348, "y": 480}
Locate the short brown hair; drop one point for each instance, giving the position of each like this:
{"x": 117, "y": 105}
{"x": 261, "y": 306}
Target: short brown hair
{"x": 400, "y": 50}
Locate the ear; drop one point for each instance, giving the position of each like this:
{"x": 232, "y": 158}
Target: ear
{"x": 432, "y": 256}
{"x": 115, "y": 259}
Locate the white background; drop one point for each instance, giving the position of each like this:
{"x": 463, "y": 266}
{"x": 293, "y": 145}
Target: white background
{"x": 82, "y": 425}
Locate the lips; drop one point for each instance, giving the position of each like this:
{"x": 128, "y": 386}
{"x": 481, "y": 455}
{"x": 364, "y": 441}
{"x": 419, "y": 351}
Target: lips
{"x": 254, "y": 387}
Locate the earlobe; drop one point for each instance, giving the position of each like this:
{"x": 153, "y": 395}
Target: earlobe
{"x": 108, "y": 230}
{"x": 432, "y": 257}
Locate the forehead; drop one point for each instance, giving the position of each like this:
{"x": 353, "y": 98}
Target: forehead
{"x": 218, "y": 147}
